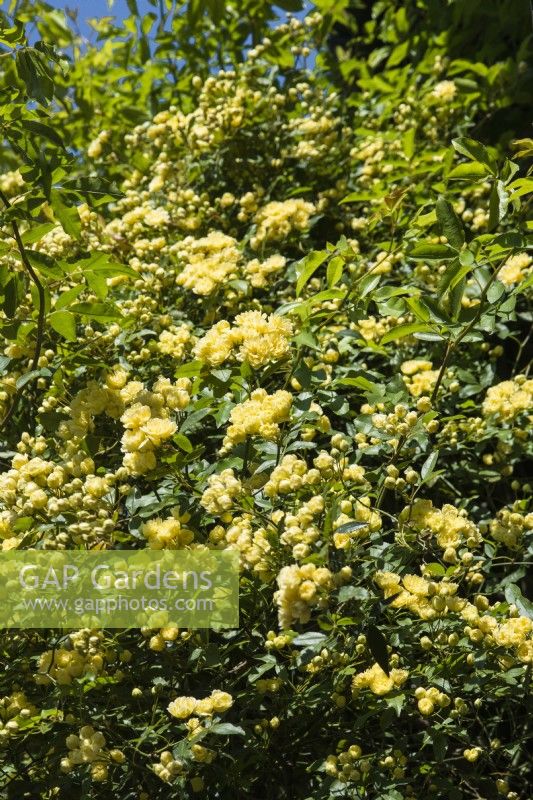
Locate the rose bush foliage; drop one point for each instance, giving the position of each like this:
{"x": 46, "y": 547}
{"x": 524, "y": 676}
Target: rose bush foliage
{"x": 264, "y": 291}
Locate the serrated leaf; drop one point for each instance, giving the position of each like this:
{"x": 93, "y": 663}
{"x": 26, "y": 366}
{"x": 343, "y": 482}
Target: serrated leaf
{"x": 360, "y": 382}
{"x": 97, "y": 284}
{"x": 429, "y": 465}
{"x": 67, "y": 215}
{"x": 356, "y": 197}
{"x": 99, "y": 311}
{"x": 471, "y": 171}
{"x": 408, "y": 143}
{"x": 190, "y": 370}
{"x": 451, "y": 271}
{"x": 103, "y": 263}
{"x": 424, "y": 220}
{"x": 310, "y": 639}
{"x": 466, "y": 258}
{"x": 65, "y": 298}
{"x": 26, "y": 378}
{"x": 435, "y": 569}
{"x": 456, "y": 296}
{"x": 11, "y": 297}
{"x": 495, "y": 291}
{"x": 451, "y": 225}
{"x": 269, "y": 662}
{"x": 64, "y": 323}
{"x": 427, "y": 251}
{"x": 226, "y": 729}
{"x": 401, "y": 331}
{"x": 498, "y": 204}
{"x": 513, "y": 595}
{"x": 368, "y": 284}
{"x": 350, "y": 527}
{"x": 377, "y": 644}
{"x": 440, "y": 745}
{"x": 352, "y": 593}
{"x": 396, "y": 702}
{"x": 46, "y": 265}
{"x": 34, "y": 72}
{"x": 35, "y": 126}
{"x": 183, "y": 442}
{"x": 474, "y": 151}
{"x": 334, "y": 271}
{"x": 419, "y": 309}
{"x": 34, "y": 234}
{"x": 307, "y": 267}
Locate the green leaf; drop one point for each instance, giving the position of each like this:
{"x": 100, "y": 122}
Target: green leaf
{"x": 473, "y": 150}
{"x": 424, "y": 220}
{"x": 100, "y": 311}
{"x": 226, "y": 729}
{"x": 34, "y": 126}
{"x": 440, "y": 745}
{"x": 97, "y": 283}
{"x": 45, "y": 264}
{"x": 35, "y": 234}
{"x": 360, "y": 382}
{"x": 103, "y": 263}
{"x": 466, "y": 258}
{"x": 349, "y": 527}
{"x": 269, "y": 662}
{"x": 396, "y": 702}
{"x": 334, "y": 270}
{"x": 64, "y": 323}
{"x": 408, "y": 143}
{"x": 65, "y": 298}
{"x": 520, "y": 187}
{"x": 12, "y": 35}
{"x": 429, "y": 465}
{"x": 352, "y": 593}
{"x": 401, "y": 331}
{"x": 454, "y": 275}
{"x": 377, "y": 644}
{"x": 356, "y": 197}
{"x": 495, "y": 291}
{"x": 67, "y": 215}
{"x": 451, "y": 226}
{"x": 34, "y": 72}
{"x": 419, "y": 309}
{"x": 471, "y": 171}
{"x": 183, "y": 442}
{"x": 307, "y": 267}
{"x": 498, "y": 204}
{"x": 427, "y": 251}
{"x": 11, "y": 297}
{"x": 190, "y": 370}
{"x": 26, "y": 378}
{"x": 456, "y": 295}
{"x": 310, "y": 639}
{"x": 399, "y": 53}
{"x": 435, "y": 569}
{"x": 513, "y": 595}
{"x": 368, "y": 284}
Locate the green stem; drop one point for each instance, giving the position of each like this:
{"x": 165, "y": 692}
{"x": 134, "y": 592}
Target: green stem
{"x": 41, "y": 313}
{"x": 453, "y": 343}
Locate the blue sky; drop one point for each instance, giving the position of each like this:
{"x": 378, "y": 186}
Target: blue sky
{"x": 88, "y": 9}
{"x": 100, "y": 8}
{"x": 91, "y": 9}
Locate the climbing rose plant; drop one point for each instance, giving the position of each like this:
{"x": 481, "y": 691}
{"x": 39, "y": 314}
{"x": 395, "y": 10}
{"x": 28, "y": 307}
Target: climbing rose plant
{"x": 266, "y": 286}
